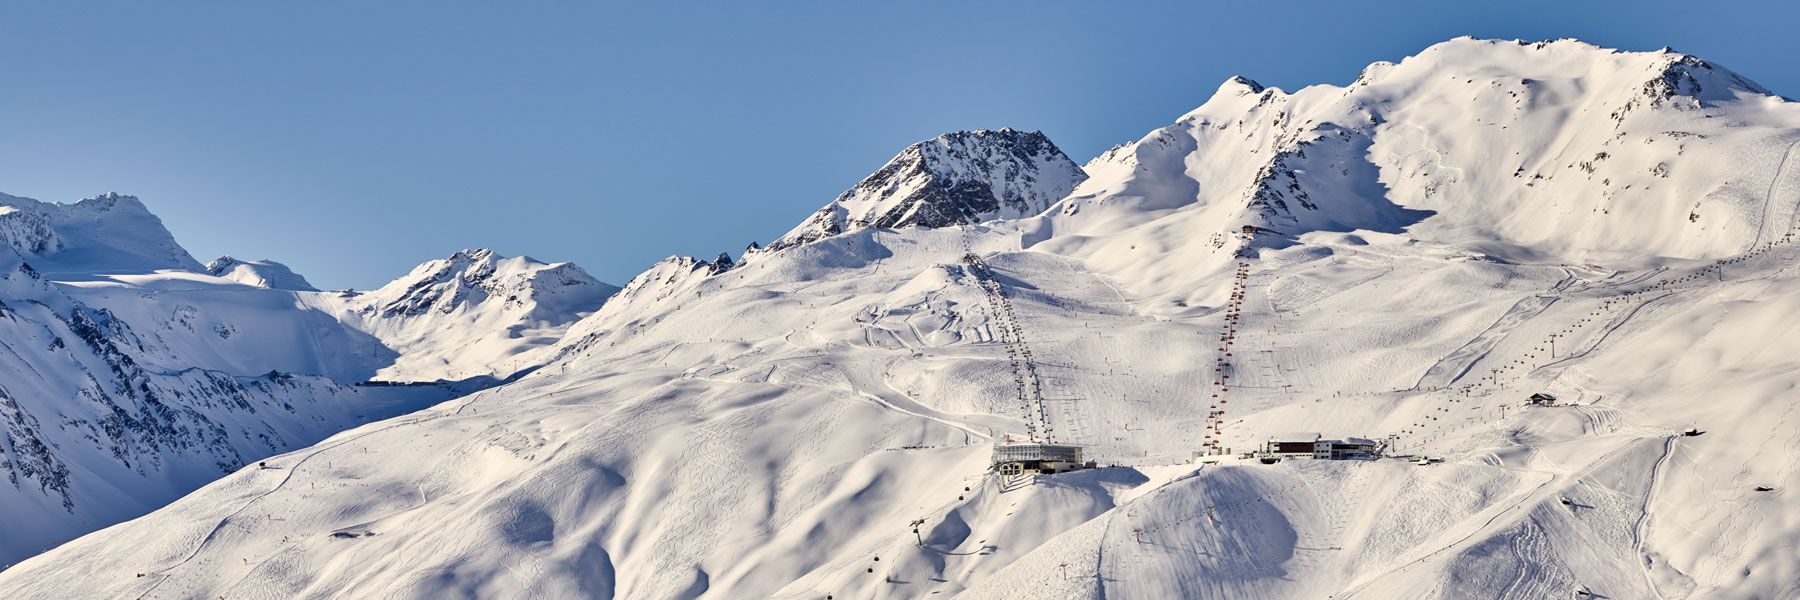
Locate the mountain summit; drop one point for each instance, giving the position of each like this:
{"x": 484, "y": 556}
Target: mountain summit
{"x": 952, "y": 179}
{"x": 472, "y": 314}
{"x": 260, "y": 273}
{"x": 1526, "y": 149}
{"x": 106, "y": 233}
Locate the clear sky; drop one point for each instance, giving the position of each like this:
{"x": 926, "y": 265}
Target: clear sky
{"x": 353, "y": 140}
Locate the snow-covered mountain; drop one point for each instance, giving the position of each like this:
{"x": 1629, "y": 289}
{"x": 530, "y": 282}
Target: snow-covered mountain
{"x": 263, "y": 273}
{"x": 1427, "y": 247}
{"x": 131, "y": 375}
{"x": 1580, "y": 133}
{"x": 953, "y": 179}
{"x": 105, "y": 233}
{"x": 473, "y": 314}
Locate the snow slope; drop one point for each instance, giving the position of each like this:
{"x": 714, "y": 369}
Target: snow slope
{"x": 1431, "y": 245}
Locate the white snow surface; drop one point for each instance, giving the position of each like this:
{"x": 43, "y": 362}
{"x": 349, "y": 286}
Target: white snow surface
{"x": 1437, "y": 241}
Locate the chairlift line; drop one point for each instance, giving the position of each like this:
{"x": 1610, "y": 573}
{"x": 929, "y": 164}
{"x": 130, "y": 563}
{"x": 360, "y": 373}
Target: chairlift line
{"x": 1024, "y": 369}
{"x": 1233, "y": 312}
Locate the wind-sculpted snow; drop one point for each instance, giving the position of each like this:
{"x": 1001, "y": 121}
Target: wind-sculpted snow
{"x": 1428, "y": 247}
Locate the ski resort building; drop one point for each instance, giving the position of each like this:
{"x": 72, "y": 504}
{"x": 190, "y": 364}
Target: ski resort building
{"x": 1349, "y": 448}
{"x": 1037, "y": 459}
{"x": 1541, "y": 399}
{"x": 1292, "y": 444}
{"x": 1303, "y": 445}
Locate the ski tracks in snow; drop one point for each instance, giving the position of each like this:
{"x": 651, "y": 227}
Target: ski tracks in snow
{"x": 1517, "y": 506}
{"x": 1457, "y": 364}
{"x": 286, "y": 476}
{"x": 1769, "y": 198}
{"x": 1641, "y": 530}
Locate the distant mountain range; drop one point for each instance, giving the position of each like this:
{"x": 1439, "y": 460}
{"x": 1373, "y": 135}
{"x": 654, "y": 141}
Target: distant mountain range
{"x": 132, "y": 374}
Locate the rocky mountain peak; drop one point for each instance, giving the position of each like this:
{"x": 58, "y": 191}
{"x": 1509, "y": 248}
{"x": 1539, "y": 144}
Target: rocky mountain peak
{"x": 952, "y": 179}
{"x": 474, "y": 276}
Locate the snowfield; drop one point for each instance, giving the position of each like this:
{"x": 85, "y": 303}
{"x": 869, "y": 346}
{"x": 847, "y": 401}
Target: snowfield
{"x": 1429, "y": 246}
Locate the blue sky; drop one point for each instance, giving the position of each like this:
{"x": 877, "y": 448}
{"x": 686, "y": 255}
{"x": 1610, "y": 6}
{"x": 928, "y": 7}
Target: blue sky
{"x": 353, "y": 140}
